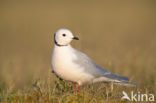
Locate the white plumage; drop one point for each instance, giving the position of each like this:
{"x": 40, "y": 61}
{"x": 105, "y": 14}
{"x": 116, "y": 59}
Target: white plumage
{"x": 73, "y": 65}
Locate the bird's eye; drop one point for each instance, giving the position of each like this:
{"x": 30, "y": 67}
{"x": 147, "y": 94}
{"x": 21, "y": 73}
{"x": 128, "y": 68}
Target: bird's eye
{"x": 63, "y": 34}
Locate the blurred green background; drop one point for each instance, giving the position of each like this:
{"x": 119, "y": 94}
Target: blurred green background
{"x": 118, "y": 35}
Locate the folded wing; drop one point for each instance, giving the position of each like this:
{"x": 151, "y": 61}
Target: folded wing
{"x": 93, "y": 69}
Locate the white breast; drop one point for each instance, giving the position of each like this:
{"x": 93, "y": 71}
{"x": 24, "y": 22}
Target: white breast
{"x": 64, "y": 67}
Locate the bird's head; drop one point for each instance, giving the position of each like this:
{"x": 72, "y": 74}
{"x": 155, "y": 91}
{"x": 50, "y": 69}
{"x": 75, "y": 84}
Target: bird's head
{"x": 63, "y": 37}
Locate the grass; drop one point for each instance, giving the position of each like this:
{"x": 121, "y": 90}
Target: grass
{"x": 119, "y": 36}
{"x": 61, "y": 92}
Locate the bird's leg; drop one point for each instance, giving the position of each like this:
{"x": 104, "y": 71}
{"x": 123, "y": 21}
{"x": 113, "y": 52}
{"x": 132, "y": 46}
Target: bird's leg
{"x": 79, "y": 88}
{"x": 74, "y": 87}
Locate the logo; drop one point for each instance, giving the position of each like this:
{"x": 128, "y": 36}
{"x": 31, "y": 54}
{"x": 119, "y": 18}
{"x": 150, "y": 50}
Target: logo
{"x": 137, "y": 97}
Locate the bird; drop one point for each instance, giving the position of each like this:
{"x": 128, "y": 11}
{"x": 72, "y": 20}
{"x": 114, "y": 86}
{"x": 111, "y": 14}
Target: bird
{"x": 75, "y": 66}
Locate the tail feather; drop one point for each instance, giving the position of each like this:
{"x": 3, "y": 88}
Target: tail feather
{"x": 121, "y": 80}
{"x": 131, "y": 84}
{"x": 116, "y": 77}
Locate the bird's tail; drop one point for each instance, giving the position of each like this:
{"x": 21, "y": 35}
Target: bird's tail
{"x": 126, "y": 83}
{"x": 121, "y": 80}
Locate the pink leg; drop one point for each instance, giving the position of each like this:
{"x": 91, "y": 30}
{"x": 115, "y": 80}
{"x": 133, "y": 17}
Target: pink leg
{"x": 74, "y": 87}
{"x": 79, "y": 88}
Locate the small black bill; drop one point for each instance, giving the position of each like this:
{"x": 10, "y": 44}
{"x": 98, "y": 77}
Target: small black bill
{"x": 75, "y": 38}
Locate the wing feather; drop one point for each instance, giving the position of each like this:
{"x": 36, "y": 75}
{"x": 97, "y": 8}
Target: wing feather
{"x": 93, "y": 69}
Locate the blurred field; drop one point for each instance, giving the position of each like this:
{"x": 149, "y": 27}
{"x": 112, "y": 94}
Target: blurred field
{"x": 120, "y": 36}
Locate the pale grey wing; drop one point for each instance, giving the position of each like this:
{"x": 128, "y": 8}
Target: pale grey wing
{"x": 114, "y": 76}
{"x": 91, "y": 68}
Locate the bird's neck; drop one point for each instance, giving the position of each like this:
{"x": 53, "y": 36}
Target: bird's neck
{"x": 62, "y": 46}
{"x": 63, "y": 50}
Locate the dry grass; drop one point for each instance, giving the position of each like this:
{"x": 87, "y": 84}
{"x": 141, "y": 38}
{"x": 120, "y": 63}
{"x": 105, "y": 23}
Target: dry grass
{"x": 119, "y": 36}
